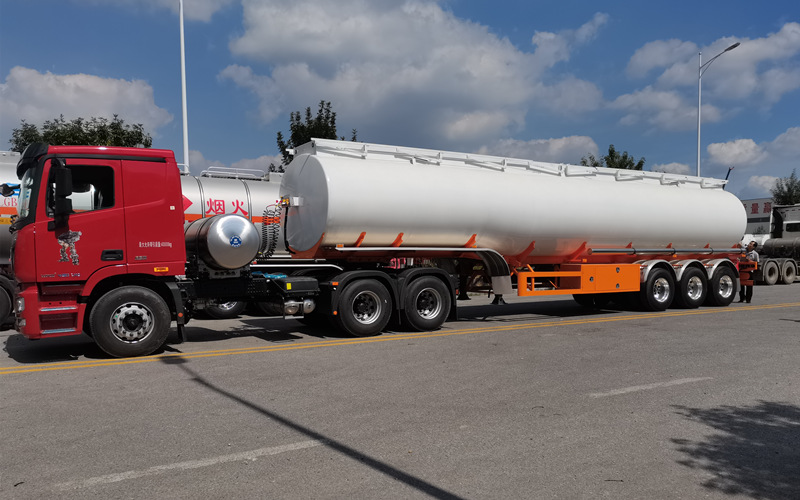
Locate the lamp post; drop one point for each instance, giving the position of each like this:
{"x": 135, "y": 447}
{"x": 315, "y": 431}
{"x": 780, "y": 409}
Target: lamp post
{"x": 183, "y": 95}
{"x": 701, "y": 68}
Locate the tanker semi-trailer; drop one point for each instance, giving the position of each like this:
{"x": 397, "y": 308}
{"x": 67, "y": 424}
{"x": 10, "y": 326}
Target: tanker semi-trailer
{"x": 354, "y": 208}
{"x": 552, "y": 228}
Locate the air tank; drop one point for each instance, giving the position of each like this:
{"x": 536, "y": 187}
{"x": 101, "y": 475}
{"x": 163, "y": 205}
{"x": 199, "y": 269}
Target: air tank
{"x": 345, "y": 193}
{"x": 223, "y": 241}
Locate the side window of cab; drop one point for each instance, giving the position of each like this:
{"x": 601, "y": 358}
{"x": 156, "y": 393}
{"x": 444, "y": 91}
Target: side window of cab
{"x": 92, "y": 188}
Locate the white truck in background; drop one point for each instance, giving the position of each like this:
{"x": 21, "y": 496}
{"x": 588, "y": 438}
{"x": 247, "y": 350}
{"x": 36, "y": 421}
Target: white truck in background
{"x": 778, "y": 251}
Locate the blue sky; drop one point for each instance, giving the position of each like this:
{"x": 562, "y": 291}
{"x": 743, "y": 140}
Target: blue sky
{"x": 540, "y": 80}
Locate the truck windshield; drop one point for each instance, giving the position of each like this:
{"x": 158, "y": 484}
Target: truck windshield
{"x": 25, "y": 189}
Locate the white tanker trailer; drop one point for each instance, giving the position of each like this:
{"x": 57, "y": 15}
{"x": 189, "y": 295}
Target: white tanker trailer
{"x": 542, "y": 228}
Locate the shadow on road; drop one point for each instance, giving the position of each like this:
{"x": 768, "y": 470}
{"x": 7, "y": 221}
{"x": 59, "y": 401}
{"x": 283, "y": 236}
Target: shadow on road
{"x": 373, "y": 463}
{"x": 533, "y": 310}
{"x": 755, "y": 451}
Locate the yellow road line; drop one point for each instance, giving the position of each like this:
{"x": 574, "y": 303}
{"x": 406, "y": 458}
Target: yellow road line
{"x": 383, "y": 338}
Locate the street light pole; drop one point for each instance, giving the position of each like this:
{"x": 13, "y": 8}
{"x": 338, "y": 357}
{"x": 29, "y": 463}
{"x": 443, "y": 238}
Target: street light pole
{"x": 701, "y": 68}
{"x": 183, "y": 95}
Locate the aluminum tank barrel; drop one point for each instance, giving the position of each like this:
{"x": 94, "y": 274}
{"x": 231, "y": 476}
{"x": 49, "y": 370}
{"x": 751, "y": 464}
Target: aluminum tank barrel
{"x": 373, "y": 195}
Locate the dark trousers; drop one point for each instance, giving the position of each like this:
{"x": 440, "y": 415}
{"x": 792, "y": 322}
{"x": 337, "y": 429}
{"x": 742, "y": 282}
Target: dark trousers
{"x": 746, "y": 293}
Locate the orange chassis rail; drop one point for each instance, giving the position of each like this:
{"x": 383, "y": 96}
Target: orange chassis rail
{"x": 580, "y": 278}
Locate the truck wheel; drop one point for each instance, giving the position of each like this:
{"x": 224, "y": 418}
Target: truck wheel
{"x": 722, "y": 287}
{"x": 225, "y": 310}
{"x": 364, "y": 308}
{"x": 789, "y": 273}
{"x": 692, "y": 289}
{"x": 658, "y": 291}
{"x": 130, "y": 321}
{"x": 6, "y": 307}
{"x": 426, "y": 304}
{"x": 771, "y": 272}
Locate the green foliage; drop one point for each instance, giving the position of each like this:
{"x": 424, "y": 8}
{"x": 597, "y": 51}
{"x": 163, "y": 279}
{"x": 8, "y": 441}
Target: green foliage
{"x": 323, "y": 126}
{"x": 91, "y": 132}
{"x": 614, "y": 160}
{"x": 787, "y": 190}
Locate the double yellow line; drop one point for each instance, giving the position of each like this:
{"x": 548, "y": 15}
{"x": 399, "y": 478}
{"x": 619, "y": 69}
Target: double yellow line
{"x": 71, "y": 365}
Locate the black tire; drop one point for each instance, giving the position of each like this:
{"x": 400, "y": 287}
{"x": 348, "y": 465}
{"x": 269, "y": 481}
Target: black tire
{"x": 130, "y": 321}
{"x": 426, "y": 304}
{"x": 789, "y": 273}
{"x": 722, "y": 287}
{"x": 364, "y": 308}
{"x": 771, "y": 273}
{"x": 692, "y": 289}
{"x": 658, "y": 291}
{"x": 6, "y": 307}
{"x": 225, "y": 310}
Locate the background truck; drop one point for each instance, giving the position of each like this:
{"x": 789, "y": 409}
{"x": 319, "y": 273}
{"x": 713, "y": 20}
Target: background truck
{"x": 100, "y": 244}
{"x": 779, "y": 251}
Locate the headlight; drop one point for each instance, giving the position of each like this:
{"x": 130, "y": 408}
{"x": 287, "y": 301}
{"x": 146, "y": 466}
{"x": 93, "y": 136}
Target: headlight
{"x": 20, "y": 306}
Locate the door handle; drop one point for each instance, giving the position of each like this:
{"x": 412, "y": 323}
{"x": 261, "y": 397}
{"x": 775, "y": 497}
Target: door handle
{"x": 111, "y": 255}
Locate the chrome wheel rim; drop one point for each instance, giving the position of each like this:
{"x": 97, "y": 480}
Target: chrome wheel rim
{"x": 726, "y": 286}
{"x": 367, "y": 307}
{"x": 429, "y": 303}
{"x": 132, "y": 322}
{"x": 694, "y": 288}
{"x": 661, "y": 290}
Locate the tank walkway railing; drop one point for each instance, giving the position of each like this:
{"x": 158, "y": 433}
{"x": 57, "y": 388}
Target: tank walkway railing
{"x": 361, "y": 150}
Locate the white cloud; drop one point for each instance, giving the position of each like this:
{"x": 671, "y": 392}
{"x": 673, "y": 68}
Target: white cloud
{"x": 561, "y": 150}
{"x": 758, "y": 67}
{"x": 412, "y": 60}
{"x": 787, "y": 145}
{"x": 196, "y": 10}
{"x": 763, "y": 183}
{"x": 672, "y": 168}
{"x": 35, "y": 97}
{"x": 662, "y": 109}
{"x": 774, "y": 157}
{"x": 659, "y": 54}
{"x": 198, "y": 163}
{"x": 261, "y": 163}
{"x": 741, "y": 152}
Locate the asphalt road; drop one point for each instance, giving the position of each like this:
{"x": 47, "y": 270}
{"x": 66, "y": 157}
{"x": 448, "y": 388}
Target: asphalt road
{"x": 535, "y": 400}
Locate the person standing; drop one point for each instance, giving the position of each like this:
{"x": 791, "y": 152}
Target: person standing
{"x": 746, "y": 291}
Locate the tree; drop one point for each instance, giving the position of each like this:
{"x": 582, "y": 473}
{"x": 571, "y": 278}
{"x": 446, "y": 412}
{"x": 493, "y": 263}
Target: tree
{"x": 786, "y": 190}
{"x": 323, "y": 126}
{"x": 614, "y": 160}
{"x": 91, "y": 132}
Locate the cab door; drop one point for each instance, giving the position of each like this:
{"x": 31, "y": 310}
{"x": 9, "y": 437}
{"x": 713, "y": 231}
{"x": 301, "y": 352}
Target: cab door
{"x": 92, "y": 235}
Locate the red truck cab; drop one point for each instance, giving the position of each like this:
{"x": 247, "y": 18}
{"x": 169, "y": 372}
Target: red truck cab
{"x": 92, "y": 219}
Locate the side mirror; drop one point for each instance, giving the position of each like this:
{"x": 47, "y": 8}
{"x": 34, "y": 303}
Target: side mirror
{"x": 63, "y": 178}
{"x": 62, "y": 205}
{"x": 9, "y": 189}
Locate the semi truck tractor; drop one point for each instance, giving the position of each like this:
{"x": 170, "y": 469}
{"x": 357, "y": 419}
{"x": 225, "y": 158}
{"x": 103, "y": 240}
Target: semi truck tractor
{"x": 779, "y": 251}
{"x": 122, "y": 268}
{"x": 216, "y": 191}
